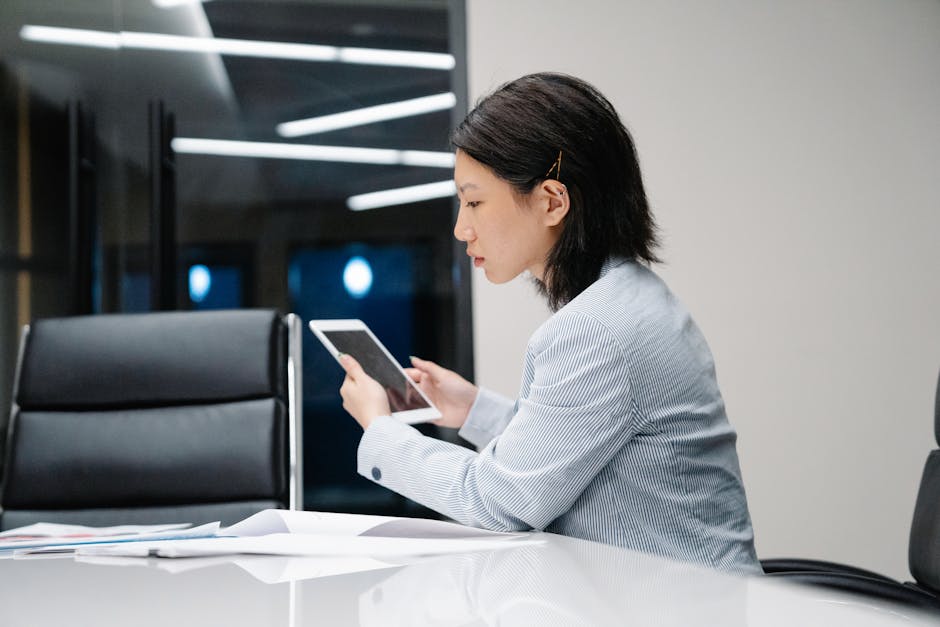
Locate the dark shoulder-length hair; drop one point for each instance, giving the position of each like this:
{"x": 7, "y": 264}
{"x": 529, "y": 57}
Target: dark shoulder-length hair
{"x": 521, "y": 129}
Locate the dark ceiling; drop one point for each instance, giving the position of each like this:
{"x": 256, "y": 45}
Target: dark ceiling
{"x": 244, "y": 98}
{"x": 268, "y": 92}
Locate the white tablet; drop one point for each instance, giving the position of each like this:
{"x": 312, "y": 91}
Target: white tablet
{"x": 407, "y": 402}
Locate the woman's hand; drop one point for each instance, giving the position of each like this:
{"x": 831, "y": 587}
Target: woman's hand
{"x": 363, "y": 397}
{"x": 450, "y": 393}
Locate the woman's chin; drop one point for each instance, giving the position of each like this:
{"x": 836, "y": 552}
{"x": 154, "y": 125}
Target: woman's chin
{"x": 492, "y": 277}
{"x": 497, "y": 278}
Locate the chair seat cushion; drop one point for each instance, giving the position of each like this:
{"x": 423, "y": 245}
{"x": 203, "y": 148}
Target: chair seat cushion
{"x": 144, "y": 457}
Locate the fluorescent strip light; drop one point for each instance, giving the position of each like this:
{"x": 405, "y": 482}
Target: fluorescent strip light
{"x": 427, "y": 158}
{"x": 234, "y": 47}
{"x": 367, "y": 115}
{"x": 401, "y": 196}
{"x": 169, "y": 4}
{"x": 308, "y": 152}
{"x": 74, "y": 36}
{"x": 406, "y": 58}
{"x": 237, "y": 47}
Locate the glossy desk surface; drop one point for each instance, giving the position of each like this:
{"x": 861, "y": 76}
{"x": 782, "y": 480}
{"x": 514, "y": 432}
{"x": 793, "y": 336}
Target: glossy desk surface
{"x": 560, "y": 581}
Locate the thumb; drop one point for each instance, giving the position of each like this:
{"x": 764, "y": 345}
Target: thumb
{"x": 350, "y": 365}
{"x": 427, "y": 366}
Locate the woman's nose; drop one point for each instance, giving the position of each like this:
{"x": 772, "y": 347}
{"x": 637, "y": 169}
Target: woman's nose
{"x": 464, "y": 234}
{"x": 462, "y": 230}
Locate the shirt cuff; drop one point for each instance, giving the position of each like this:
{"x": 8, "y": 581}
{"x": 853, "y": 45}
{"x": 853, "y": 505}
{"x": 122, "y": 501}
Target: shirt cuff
{"x": 373, "y": 458}
{"x": 489, "y": 415}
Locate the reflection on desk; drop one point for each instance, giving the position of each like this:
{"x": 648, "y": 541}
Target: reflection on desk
{"x": 563, "y": 581}
{"x": 558, "y": 584}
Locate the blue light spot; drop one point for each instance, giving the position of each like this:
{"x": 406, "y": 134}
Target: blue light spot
{"x": 357, "y": 277}
{"x": 200, "y": 282}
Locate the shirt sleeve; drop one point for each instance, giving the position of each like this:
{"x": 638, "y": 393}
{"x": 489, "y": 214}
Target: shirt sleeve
{"x": 489, "y": 415}
{"x": 576, "y": 415}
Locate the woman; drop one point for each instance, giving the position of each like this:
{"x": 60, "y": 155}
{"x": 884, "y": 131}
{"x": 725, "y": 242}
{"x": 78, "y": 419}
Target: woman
{"x": 619, "y": 434}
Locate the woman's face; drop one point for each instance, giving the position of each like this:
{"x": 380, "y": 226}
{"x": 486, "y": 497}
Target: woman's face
{"x": 505, "y": 233}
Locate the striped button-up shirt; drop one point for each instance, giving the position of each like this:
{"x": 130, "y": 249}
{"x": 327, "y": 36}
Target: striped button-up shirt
{"x": 619, "y": 435}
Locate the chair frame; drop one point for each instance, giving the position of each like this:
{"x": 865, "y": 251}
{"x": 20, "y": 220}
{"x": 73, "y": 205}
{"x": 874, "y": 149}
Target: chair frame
{"x": 295, "y": 411}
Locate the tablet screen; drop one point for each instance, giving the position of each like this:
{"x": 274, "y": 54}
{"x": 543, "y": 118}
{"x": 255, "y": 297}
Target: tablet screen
{"x": 402, "y": 396}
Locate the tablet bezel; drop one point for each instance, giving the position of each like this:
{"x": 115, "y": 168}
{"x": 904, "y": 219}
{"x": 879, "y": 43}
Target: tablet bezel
{"x": 411, "y": 416}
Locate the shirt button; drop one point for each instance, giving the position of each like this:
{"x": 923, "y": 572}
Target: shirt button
{"x": 376, "y": 473}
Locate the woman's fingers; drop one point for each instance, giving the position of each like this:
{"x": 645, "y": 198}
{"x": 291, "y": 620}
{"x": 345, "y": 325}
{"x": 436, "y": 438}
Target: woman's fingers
{"x": 414, "y": 374}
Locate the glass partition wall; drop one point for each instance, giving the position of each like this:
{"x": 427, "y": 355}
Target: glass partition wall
{"x": 178, "y": 154}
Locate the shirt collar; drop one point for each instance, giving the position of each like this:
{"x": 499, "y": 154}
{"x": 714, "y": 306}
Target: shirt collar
{"x": 611, "y": 263}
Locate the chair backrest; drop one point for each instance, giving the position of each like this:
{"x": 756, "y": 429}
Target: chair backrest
{"x": 924, "y": 547}
{"x": 152, "y": 418}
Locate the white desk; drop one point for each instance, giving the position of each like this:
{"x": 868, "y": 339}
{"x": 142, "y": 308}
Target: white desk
{"x": 560, "y": 582}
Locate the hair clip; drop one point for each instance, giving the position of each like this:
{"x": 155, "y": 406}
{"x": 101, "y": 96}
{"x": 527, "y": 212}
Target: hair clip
{"x": 556, "y": 166}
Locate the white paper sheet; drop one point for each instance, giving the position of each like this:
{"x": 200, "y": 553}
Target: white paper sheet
{"x": 336, "y": 524}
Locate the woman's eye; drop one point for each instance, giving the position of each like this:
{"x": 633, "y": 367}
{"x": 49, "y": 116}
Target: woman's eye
{"x": 472, "y": 204}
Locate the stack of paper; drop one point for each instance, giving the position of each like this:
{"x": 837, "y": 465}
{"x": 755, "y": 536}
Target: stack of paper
{"x": 277, "y": 532}
{"x": 53, "y": 537}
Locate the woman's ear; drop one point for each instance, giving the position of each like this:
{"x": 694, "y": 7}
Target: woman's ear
{"x": 558, "y": 202}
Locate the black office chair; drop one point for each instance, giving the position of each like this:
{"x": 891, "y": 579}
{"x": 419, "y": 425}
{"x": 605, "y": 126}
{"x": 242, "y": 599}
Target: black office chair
{"x": 923, "y": 551}
{"x": 154, "y": 418}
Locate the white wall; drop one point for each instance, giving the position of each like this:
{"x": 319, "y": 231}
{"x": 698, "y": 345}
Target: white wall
{"x": 791, "y": 150}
